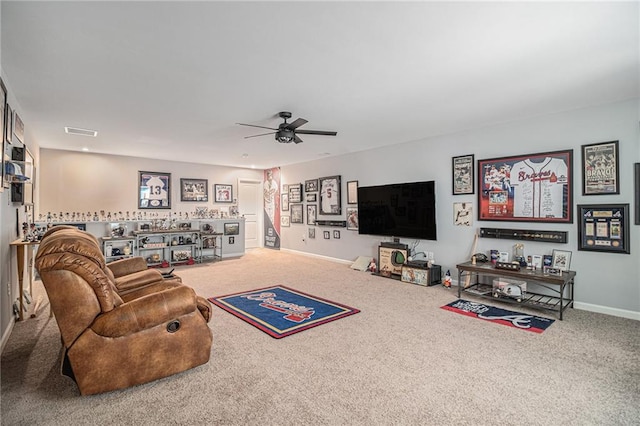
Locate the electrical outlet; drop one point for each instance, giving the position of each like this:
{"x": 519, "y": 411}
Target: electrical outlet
{"x": 429, "y": 255}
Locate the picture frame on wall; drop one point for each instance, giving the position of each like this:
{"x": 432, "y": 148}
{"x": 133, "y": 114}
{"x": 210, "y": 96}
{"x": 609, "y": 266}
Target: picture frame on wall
{"x": 8, "y": 134}
{"x": 312, "y": 233}
{"x": 285, "y": 221}
{"x": 604, "y": 228}
{"x": 311, "y": 185}
{"x": 636, "y": 190}
{"x": 284, "y": 201}
{"x": 527, "y": 188}
{"x": 352, "y": 219}
{"x": 330, "y": 196}
{"x": 18, "y": 127}
{"x": 3, "y": 122}
{"x": 297, "y": 215}
{"x": 154, "y": 190}
{"x": 311, "y": 198}
{"x": 312, "y": 214}
{"x": 223, "y": 193}
{"x": 352, "y": 192}
{"x": 463, "y": 174}
{"x": 194, "y": 190}
{"x": 600, "y": 168}
{"x": 295, "y": 193}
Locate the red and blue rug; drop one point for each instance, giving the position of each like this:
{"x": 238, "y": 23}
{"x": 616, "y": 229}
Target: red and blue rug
{"x": 280, "y": 311}
{"x": 490, "y": 313}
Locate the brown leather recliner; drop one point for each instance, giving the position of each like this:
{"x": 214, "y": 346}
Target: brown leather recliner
{"x": 112, "y": 339}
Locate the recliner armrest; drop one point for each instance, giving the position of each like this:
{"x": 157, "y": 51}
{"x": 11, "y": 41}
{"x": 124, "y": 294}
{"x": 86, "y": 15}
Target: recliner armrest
{"x": 127, "y": 266}
{"x": 146, "y": 312}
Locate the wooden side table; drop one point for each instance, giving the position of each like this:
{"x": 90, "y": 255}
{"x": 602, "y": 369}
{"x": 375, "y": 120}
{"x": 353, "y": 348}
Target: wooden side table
{"x": 24, "y": 250}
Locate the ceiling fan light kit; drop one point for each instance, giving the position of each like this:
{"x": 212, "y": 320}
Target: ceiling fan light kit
{"x": 286, "y": 132}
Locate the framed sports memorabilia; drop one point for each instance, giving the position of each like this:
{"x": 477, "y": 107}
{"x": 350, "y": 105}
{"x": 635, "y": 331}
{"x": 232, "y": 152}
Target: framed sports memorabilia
{"x": 527, "y": 188}
{"x": 604, "y": 228}
{"x": 352, "y": 192}
{"x": 154, "y": 190}
{"x": 561, "y": 259}
{"x": 600, "y": 170}
{"x": 296, "y": 213}
{"x": 223, "y": 193}
{"x": 3, "y": 122}
{"x": 463, "y": 174}
{"x": 311, "y": 185}
{"x": 330, "y": 196}
{"x": 312, "y": 214}
{"x": 352, "y": 218}
{"x": 284, "y": 201}
{"x": 636, "y": 188}
{"x": 295, "y": 193}
{"x": 194, "y": 190}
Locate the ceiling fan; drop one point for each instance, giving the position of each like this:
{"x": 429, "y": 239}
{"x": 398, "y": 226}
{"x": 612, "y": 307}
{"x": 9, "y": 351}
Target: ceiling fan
{"x": 288, "y": 132}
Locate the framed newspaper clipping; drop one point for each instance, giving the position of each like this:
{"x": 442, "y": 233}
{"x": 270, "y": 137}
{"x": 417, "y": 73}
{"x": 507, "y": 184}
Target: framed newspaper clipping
{"x": 600, "y": 170}
{"x": 527, "y": 188}
{"x": 463, "y": 174}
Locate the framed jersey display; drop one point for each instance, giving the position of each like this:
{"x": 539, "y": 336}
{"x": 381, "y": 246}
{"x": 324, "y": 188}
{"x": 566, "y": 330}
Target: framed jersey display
{"x": 527, "y": 188}
{"x": 330, "y": 195}
{"x": 154, "y": 190}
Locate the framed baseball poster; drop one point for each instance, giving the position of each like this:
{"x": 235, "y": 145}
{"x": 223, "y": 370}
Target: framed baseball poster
{"x": 600, "y": 170}
{"x": 462, "y": 174}
{"x": 154, "y": 190}
{"x": 527, "y": 188}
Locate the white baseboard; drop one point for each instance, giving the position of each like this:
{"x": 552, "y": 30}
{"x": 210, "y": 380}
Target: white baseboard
{"x": 318, "y": 256}
{"x": 623, "y": 313}
{"x": 7, "y": 333}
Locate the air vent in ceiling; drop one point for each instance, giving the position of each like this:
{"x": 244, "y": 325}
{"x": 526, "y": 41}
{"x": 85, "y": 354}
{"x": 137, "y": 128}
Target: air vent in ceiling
{"x": 81, "y": 132}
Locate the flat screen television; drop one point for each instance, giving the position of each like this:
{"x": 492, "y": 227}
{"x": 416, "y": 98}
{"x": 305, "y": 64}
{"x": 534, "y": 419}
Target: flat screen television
{"x": 398, "y": 210}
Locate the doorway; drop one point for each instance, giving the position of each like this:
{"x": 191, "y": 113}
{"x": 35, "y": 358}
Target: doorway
{"x": 250, "y": 206}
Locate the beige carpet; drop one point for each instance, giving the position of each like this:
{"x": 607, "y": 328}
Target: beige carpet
{"x": 402, "y": 360}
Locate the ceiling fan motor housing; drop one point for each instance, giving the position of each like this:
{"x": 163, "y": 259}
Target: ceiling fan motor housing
{"x": 285, "y": 135}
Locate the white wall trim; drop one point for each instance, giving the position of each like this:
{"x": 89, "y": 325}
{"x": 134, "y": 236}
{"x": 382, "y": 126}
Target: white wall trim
{"x": 7, "y": 334}
{"x": 318, "y": 256}
{"x": 623, "y": 313}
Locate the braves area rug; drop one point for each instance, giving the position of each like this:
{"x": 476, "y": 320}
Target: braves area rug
{"x": 281, "y": 311}
{"x": 500, "y": 316}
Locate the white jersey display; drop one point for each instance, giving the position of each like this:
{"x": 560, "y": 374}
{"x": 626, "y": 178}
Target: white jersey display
{"x": 539, "y": 188}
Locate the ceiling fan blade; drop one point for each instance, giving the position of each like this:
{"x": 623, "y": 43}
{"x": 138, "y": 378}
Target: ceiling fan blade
{"x": 253, "y": 125}
{"x": 316, "y": 132}
{"x": 263, "y": 134}
{"x": 296, "y": 139}
{"x": 297, "y": 123}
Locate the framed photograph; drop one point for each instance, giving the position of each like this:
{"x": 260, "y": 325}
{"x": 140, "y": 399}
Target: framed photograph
{"x": 312, "y": 233}
{"x": 527, "y": 188}
{"x": 312, "y": 214}
{"x": 9, "y": 125}
{"x": 336, "y": 234}
{"x": 604, "y": 228}
{"x": 311, "y": 198}
{"x": 311, "y": 185}
{"x": 224, "y": 193}
{"x": 284, "y": 202}
{"x": 194, "y": 189}
{"x": 231, "y": 228}
{"x": 330, "y": 196}
{"x": 561, "y": 259}
{"x": 463, "y": 174}
{"x": 18, "y": 127}
{"x": 352, "y": 192}
{"x": 352, "y": 219}
{"x": 285, "y": 188}
{"x": 636, "y": 189}
{"x": 295, "y": 193}
{"x": 327, "y": 235}
{"x": 462, "y": 214}
{"x": 154, "y": 190}
{"x": 296, "y": 213}
{"x": 285, "y": 221}
{"x": 3, "y": 122}
{"x": 600, "y": 170}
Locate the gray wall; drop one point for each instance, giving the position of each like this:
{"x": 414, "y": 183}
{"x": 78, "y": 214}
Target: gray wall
{"x": 605, "y": 282}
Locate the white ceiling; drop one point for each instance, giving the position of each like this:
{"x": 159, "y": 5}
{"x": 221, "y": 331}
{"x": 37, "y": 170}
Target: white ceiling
{"x": 169, "y": 80}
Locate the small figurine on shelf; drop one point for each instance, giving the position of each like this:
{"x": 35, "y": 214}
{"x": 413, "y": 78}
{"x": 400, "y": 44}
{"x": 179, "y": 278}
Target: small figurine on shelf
{"x": 447, "y": 279}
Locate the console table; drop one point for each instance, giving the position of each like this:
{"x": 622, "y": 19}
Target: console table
{"x": 560, "y": 287}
